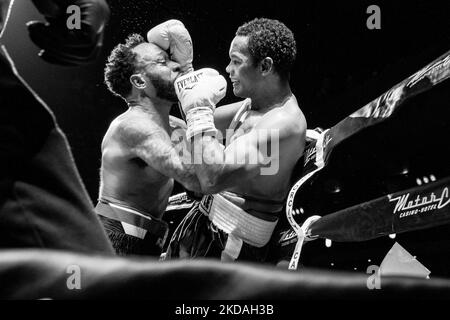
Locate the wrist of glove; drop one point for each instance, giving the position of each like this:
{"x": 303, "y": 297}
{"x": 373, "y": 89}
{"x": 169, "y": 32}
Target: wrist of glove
{"x": 200, "y": 120}
{"x": 65, "y": 46}
{"x": 198, "y": 93}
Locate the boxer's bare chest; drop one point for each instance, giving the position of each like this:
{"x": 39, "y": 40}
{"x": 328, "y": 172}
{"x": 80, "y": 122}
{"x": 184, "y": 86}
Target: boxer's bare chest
{"x": 245, "y": 124}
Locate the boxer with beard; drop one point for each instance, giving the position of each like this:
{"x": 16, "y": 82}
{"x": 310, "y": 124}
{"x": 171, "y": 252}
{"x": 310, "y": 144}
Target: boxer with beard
{"x": 139, "y": 158}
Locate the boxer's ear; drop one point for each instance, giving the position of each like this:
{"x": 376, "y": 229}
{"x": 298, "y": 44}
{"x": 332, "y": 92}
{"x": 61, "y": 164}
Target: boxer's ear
{"x": 266, "y": 65}
{"x": 138, "y": 81}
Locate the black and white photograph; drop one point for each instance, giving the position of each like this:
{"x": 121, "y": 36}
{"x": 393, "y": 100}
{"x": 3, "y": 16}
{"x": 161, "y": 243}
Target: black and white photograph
{"x": 224, "y": 159}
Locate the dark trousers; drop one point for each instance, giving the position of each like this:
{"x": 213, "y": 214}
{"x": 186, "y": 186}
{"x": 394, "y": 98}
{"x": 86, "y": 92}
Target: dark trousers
{"x": 43, "y": 202}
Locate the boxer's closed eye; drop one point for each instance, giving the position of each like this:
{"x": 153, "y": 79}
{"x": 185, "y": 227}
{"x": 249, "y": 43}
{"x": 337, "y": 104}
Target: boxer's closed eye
{"x": 235, "y": 62}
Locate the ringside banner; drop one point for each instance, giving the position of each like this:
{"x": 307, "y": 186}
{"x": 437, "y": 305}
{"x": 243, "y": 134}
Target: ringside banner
{"x": 413, "y": 209}
{"x": 318, "y": 152}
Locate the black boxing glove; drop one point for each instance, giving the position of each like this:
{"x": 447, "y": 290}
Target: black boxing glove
{"x": 61, "y": 45}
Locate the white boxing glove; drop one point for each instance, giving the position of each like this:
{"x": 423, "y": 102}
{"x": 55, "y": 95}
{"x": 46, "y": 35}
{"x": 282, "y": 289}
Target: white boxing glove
{"x": 198, "y": 93}
{"x": 172, "y": 35}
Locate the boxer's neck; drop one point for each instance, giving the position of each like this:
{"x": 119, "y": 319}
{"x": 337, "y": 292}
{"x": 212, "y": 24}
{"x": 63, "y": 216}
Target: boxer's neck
{"x": 271, "y": 96}
{"x": 152, "y": 105}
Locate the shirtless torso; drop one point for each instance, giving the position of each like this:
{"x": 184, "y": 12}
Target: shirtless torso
{"x": 125, "y": 177}
{"x": 238, "y": 119}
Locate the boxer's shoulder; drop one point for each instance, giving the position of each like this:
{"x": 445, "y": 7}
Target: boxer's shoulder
{"x": 288, "y": 120}
{"x": 131, "y": 129}
{"x": 110, "y": 135}
{"x": 112, "y": 144}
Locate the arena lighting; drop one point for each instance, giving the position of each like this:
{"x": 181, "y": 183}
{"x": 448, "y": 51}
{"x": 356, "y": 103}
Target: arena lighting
{"x": 333, "y": 186}
{"x": 425, "y": 179}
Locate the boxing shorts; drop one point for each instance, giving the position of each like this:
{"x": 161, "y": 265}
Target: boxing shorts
{"x": 218, "y": 228}
{"x": 131, "y": 231}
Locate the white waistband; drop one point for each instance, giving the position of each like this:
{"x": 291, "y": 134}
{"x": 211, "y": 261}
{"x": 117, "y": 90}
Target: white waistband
{"x": 133, "y": 211}
{"x": 134, "y": 223}
{"x": 129, "y": 228}
{"x": 231, "y": 219}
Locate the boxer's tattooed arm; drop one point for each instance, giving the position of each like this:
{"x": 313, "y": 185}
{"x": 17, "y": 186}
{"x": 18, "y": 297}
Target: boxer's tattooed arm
{"x": 153, "y": 145}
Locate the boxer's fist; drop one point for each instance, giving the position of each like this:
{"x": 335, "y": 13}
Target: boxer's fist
{"x": 201, "y": 88}
{"x": 173, "y": 36}
{"x": 64, "y": 46}
{"x": 199, "y": 92}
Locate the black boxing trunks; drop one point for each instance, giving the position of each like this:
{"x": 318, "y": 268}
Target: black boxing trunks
{"x": 43, "y": 202}
{"x": 218, "y": 228}
{"x": 131, "y": 231}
